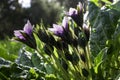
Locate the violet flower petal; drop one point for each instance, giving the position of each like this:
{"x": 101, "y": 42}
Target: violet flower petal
{"x": 72, "y": 12}
{"x": 58, "y": 27}
{"x": 28, "y": 28}
{"x": 65, "y": 23}
{"x": 57, "y": 30}
{"x": 18, "y": 34}
{"x": 80, "y": 7}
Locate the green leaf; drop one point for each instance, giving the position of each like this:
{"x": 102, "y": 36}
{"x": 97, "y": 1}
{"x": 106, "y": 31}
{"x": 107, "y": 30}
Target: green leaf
{"x": 50, "y": 77}
{"x": 93, "y": 12}
{"x": 95, "y": 2}
{"x": 4, "y": 62}
{"x": 118, "y": 77}
{"x": 116, "y": 6}
{"x": 25, "y": 58}
{"x": 99, "y": 59}
{"x": 116, "y": 35}
{"x": 15, "y": 71}
{"x": 49, "y": 69}
{"x": 35, "y": 74}
{"x": 37, "y": 61}
{"x": 103, "y": 28}
{"x": 5, "y": 54}
{"x": 9, "y": 49}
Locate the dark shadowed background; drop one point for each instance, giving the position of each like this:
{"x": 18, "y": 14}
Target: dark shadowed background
{"x": 13, "y": 14}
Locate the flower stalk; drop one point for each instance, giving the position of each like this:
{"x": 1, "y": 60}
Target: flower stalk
{"x": 65, "y": 44}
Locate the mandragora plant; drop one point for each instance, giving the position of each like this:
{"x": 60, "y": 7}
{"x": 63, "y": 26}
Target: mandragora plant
{"x": 80, "y": 48}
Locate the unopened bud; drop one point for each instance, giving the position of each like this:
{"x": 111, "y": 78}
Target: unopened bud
{"x": 75, "y": 59}
{"x": 61, "y": 45}
{"x": 82, "y": 42}
{"x": 82, "y": 56}
{"x": 43, "y": 36}
{"x": 68, "y": 56}
{"x": 48, "y": 49}
{"x": 85, "y": 72}
{"x": 64, "y": 64}
{"x": 86, "y": 31}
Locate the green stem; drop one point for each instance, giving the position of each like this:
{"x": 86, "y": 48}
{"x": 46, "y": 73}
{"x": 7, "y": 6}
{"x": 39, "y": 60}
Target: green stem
{"x": 61, "y": 68}
{"x": 51, "y": 64}
{"x": 87, "y": 52}
{"x": 4, "y": 76}
{"x": 74, "y": 74}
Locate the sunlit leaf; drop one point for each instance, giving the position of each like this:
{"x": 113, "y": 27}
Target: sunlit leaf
{"x": 99, "y": 59}
{"x": 25, "y": 58}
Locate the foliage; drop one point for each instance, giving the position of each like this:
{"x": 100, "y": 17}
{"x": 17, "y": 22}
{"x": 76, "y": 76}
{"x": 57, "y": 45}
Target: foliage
{"x": 9, "y": 49}
{"x": 72, "y": 50}
{"x": 104, "y": 39}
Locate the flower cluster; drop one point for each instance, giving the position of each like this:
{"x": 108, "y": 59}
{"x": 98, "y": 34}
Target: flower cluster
{"x": 67, "y": 40}
{"x": 60, "y": 30}
{"x": 26, "y": 35}
{"x": 76, "y": 14}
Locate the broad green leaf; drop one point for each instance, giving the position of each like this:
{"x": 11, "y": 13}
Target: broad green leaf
{"x": 4, "y": 62}
{"x": 117, "y": 77}
{"x": 49, "y": 69}
{"x": 9, "y": 50}
{"x": 25, "y": 58}
{"x": 116, "y": 6}
{"x": 5, "y": 54}
{"x": 37, "y": 61}
{"x": 102, "y": 28}
{"x": 116, "y": 35}
{"x": 20, "y": 72}
{"x": 4, "y": 73}
{"x": 93, "y": 12}
{"x": 99, "y": 59}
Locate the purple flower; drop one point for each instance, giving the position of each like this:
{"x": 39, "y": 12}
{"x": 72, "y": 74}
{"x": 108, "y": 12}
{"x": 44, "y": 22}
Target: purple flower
{"x": 27, "y": 30}
{"x": 76, "y": 14}
{"x": 60, "y": 30}
{"x": 26, "y": 35}
{"x": 19, "y": 35}
{"x": 72, "y": 12}
{"x": 80, "y": 8}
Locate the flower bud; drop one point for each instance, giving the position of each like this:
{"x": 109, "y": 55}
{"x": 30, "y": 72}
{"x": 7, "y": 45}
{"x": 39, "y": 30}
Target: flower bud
{"x": 68, "y": 56}
{"x": 61, "y": 45}
{"x": 62, "y": 31}
{"x": 48, "y": 49}
{"x": 75, "y": 59}
{"x": 59, "y": 30}
{"x": 75, "y": 42}
{"x": 64, "y": 64}
{"x": 77, "y": 31}
{"x": 82, "y": 42}
{"x": 82, "y": 56}
{"x": 43, "y": 36}
{"x": 87, "y": 32}
{"x": 52, "y": 40}
{"x": 85, "y": 72}
{"x": 26, "y": 35}
{"x": 77, "y": 14}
